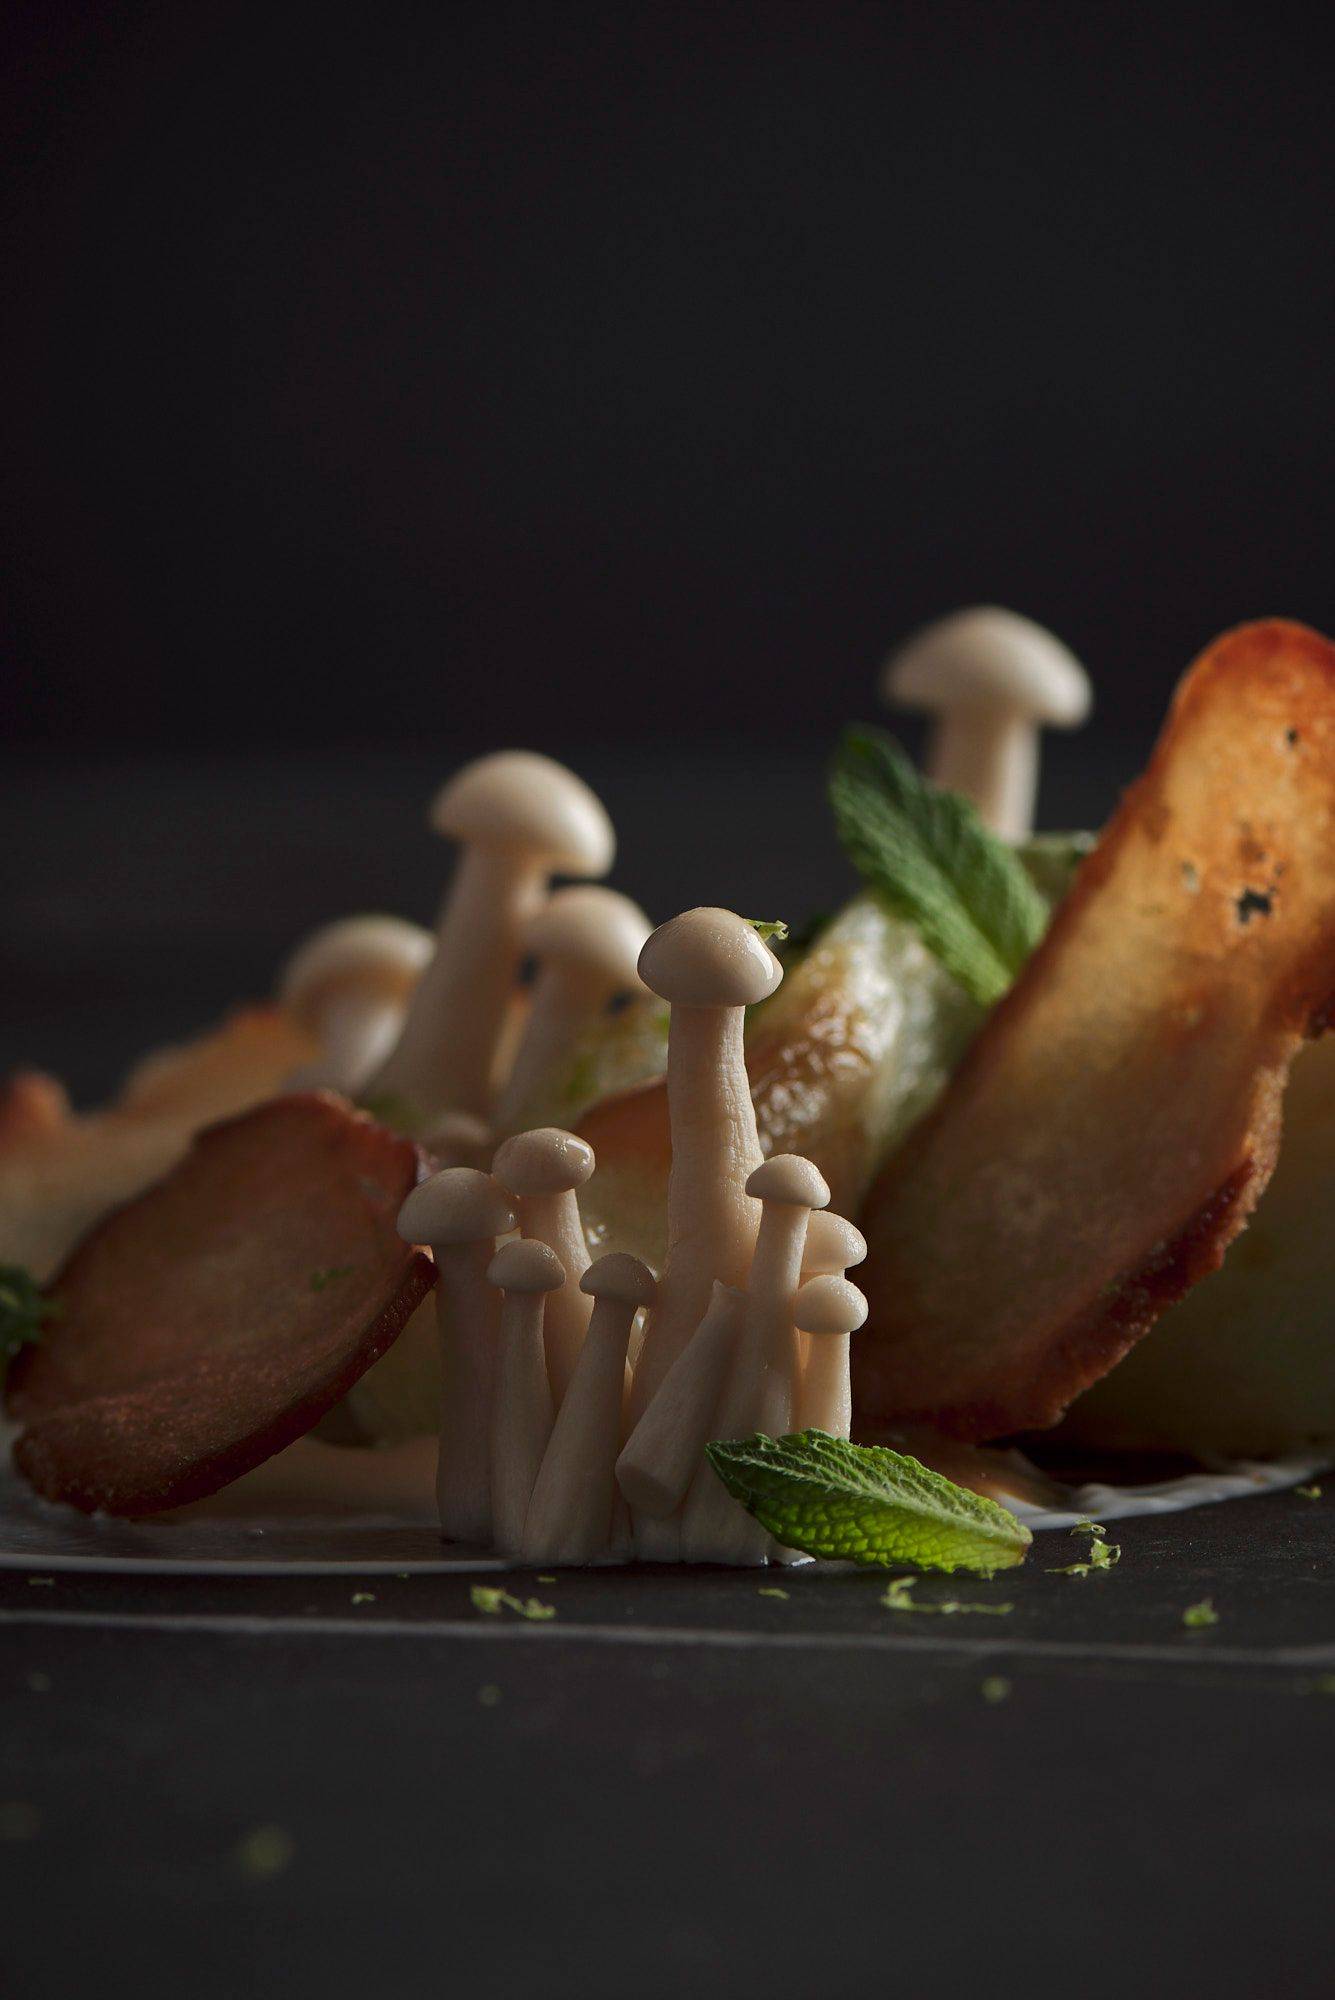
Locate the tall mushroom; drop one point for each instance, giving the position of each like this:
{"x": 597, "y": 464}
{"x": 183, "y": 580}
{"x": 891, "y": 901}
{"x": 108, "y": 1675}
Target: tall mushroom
{"x": 992, "y": 680}
{"x": 348, "y": 986}
{"x": 544, "y": 1170}
{"x": 570, "y": 1517}
{"x": 521, "y": 818}
{"x": 709, "y": 965}
{"x": 587, "y": 942}
{"x": 459, "y": 1214}
{"x": 526, "y": 1272}
{"x": 762, "y": 1382}
{"x": 829, "y": 1310}
{"x": 664, "y": 1450}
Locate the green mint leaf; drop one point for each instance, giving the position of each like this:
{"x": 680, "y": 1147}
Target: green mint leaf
{"x": 1197, "y": 1616}
{"x": 866, "y": 1504}
{"x": 484, "y": 1598}
{"x": 777, "y": 930}
{"x": 24, "y": 1311}
{"x": 897, "y": 1596}
{"x": 932, "y": 862}
{"x": 330, "y": 1276}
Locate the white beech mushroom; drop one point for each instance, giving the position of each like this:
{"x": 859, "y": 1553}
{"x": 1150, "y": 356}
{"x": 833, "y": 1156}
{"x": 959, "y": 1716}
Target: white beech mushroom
{"x": 570, "y": 1517}
{"x": 587, "y": 943}
{"x": 710, "y": 966}
{"x": 520, "y": 818}
{"x": 543, "y": 1170}
{"x": 829, "y": 1310}
{"x": 834, "y": 1245}
{"x": 761, "y": 1387}
{"x": 459, "y": 1214}
{"x": 526, "y": 1273}
{"x": 348, "y": 986}
{"x": 991, "y": 679}
{"x": 460, "y": 1140}
{"x": 664, "y": 1450}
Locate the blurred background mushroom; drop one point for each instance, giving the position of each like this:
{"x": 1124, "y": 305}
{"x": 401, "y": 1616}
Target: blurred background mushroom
{"x": 349, "y": 985}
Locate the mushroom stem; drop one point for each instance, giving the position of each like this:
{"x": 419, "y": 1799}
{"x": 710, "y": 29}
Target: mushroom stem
{"x": 664, "y": 1451}
{"x": 521, "y": 1416}
{"x": 443, "y": 1058}
{"x": 712, "y": 1221}
{"x": 557, "y": 1017}
{"x": 825, "y": 1398}
{"x": 467, "y": 1315}
{"x": 554, "y": 1219}
{"x": 991, "y": 756}
{"x": 570, "y": 1514}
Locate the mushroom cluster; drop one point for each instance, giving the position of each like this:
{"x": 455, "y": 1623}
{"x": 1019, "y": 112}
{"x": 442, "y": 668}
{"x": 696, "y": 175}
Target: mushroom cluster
{"x": 553, "y": 1447}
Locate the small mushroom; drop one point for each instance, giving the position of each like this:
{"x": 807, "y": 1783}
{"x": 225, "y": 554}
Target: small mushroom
{"x": 460, "y": 1140}
{"x": 521, "y": 818}
{"x": 833, "y": 1245}
{"x": 543, "y": 1170}
{"x": 829, "y": 1310}
{"x": 526, "y": 1272}
{"x": 760, "y": 1391}
{"x": 664, "y": 1450}
{"x": 570, "y": 1517}
{"x": 710, "y": 966}
{"x": 459, "y": 1214}
{"x": 348, "y": 986}
{"x": 992, "y": 680}
{"x": 587, "y": 942}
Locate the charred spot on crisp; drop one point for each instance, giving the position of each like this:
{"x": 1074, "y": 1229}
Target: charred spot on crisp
{"x": 1133, "y": 1075}
{"x": 191, "y": 1343}
{"x": 1291, "y": 738}
{"x": 1252, "y": 903}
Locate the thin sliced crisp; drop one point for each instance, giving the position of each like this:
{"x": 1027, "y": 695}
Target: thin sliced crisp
{"x": 218, "y": 1316}
{"x": 1116, "y": 1121}
{"x": 60, "y": 1172}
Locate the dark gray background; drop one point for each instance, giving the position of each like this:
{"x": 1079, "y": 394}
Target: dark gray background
{"x": 427, "y": 372}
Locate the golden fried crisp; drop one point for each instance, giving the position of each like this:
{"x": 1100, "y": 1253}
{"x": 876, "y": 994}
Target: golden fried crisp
{"x": 1113, "y": 1126}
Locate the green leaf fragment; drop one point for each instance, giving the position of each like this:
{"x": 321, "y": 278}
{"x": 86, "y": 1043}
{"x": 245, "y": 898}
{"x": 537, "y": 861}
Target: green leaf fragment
{"x": 24, "y": 1311}
{"x": 1102, "y": 1553}
{"x": 778, "y": 930}
{"x": 866, "y": 1504}
{"x": 330, "y": 1276}
{"x": 932, "y": 862}
{"x": 1308, "y": 1492}
{"x": 1197, "y": 1616}
{"x": 485, "y": 1598}
{"x": 363, "y": 1597}
{"x": 995, "y": 1688}
{"x": 772, "y": 1590}
{"x": 897, "y": 1596}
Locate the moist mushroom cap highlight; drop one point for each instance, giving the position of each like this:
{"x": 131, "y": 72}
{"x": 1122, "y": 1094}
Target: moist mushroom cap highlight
{"x": 596, "y": 930}
{"x": 383, "y": 955}
{"x": 544, "y": 1161}
{"x": 829, "y": 1305}
{"x": 519, "y": 799}
{"x": 833, "y": 1244}
{"x": 459, "y": 1205}
{"x": 622, "y": 1277}
{"x": 526, "y": 1265}
{"x": 709, "y": 958}
{"x": 990, "y": 659}
{"x": 790, "y": 1181}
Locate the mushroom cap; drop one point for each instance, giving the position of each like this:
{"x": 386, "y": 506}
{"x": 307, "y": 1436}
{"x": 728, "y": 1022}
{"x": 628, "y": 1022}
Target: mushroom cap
{"x": 459, "y": 1137}
{"x": 526, "y": 1266}
{"x": 833, "y": 1244}
{"x": 989, "y": 659}
{"x": 544, "y": 1161}
{"x": 521, "y": 800}
{"x": 620, "y": 1276}
{"x": 459, "y": 1205}
{"x": 790, "y": 1181}
{"x": 709, "y": 958}
{"x": 829, "y": 1305}
{"x": 375, "y": 954}
{"x": 595, "y": 933}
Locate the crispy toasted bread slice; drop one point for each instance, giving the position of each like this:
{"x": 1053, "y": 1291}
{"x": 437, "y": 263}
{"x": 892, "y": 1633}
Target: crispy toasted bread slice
{"x": 218, "y": 1316}
{"x": 59, "y": 1172}
{"x": 1116, "y": 1121}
